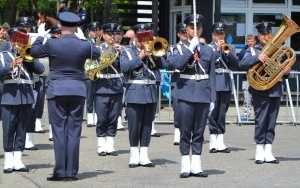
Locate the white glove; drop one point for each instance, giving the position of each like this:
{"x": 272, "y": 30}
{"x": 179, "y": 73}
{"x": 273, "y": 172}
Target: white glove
{"x": 193, "y": 44}
{"x": 211, "y": 108}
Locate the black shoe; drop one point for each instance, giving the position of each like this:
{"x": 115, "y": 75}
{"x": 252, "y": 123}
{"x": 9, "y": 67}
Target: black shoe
{"x": 50, "y": 139}
{"x": 259, "y": 162}
{"x": 75, "y": 178}
{"x": 273, "y": 162}
{"x": 54, "y": 178}
{"x": 133, "y": 165}
{"x": 199, "y": 174}
{"x": 8, "y": 170}
{"x": 155, "y": 135}
{"x": 113, "y": 153}
{"x": 148, "y": 165}
{"x": 24, "y": 169}
{"x": 213, "y": 150}
{"x": 176, "y": 143}
{"x": 31, "y": 148}
{"x": 121, "y": 129}
{"x": 102, "y": 153}
{"x": 90, "y": 125}
{"x": 184, "y": 175}
{"x": 40, "y": 131}
{"x": 226, "y": 150}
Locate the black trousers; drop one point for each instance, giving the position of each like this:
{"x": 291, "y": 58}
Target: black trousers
{"x": 90, "y": 96}
{"x": 108, "y": 109}
{"x": 140, "y": 117}
{"x": 66, "y": 114}
{"x": 266, "y": 112}
{"x": 14, "y": 124}
{"x": 217, "y": 117}
{"x": 192, "y": 121}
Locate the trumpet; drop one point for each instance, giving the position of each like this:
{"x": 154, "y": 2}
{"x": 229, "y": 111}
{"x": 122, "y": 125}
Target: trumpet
{"x": 226, "y": 48}
{"x": 158, "y": 47}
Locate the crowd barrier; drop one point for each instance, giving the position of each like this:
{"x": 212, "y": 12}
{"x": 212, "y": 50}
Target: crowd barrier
{"x": 288, "y": 113}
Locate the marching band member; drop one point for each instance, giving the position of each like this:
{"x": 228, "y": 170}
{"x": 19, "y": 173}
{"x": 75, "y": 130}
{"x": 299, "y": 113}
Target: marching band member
{"x": 196, "y": 94}
{"x": 66, "y": 93}
{"x": 93, "y": 37}
{"x": 82, "y": 13}
{"x": 16, "y": 102}
{"x": 183, "y": 39}
{"x": 225, "y": 60}
{"x": 266, "y": 103}
{"x": 62, "y": 7}
{"x": 141, "y": 95}
{"x": 108, "y": 94}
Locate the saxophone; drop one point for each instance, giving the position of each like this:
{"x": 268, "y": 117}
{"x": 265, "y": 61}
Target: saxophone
{"x": 264, "y": 76}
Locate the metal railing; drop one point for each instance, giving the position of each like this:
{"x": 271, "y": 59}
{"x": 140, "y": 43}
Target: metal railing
{"x": 288, "y": 112}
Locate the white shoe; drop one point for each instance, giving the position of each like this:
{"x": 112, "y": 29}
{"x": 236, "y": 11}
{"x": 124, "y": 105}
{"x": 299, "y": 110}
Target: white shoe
{"x": 144, "y": 160}
{"x": 110, "y": 142}
{"x": 185, "y": 164}
{"x": 269, "y": 158}
{"x": 134, "y": 157}
{"x": 176, "y": 136}
{"x": 18, "y": 164}
{"x": 101, "y": 146}
{"x": 29, "y": 142}
{"x": 260, "y": 153}
{"x": 8, "y": 162}
{"x": 38, "y": 125}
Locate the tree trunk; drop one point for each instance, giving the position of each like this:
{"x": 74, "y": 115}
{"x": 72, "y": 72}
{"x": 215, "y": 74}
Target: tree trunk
{"x": 9, "y": 12}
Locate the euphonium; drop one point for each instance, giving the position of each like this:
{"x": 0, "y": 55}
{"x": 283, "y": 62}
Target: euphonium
{"x": 265, "y": 75}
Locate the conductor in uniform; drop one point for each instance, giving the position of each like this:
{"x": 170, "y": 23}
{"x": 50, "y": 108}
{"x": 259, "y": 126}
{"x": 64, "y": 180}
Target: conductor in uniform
{"x": 266, "y": 103}
{"x": 66, "y": 92}
{"x": 108, "y": 92}
{"x": 141, "y": 95}
{"x": 226, "y": 59}
{"x": 196, "y": 93}
{"x": 16, "y": 101}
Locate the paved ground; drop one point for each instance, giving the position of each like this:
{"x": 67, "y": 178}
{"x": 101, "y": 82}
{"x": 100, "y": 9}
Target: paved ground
{"x": 236, "y": 169}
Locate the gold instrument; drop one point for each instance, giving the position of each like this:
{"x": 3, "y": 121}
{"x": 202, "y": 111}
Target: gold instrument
{"x": 158, "y": 47}
{"x": 25, "y": 53}
{"x": 107, "y": 58}
{"x": 265, "y": 75}
{"x": 226, "y": 48}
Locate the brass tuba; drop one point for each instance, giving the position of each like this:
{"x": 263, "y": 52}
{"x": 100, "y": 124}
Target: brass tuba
{"x": 263, "y": 76}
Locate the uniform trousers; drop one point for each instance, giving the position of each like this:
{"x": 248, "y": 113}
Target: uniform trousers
{"x": 34, "y": 111}
{"x": 41, "y": 98}
{"x": 140, "y": 117}
{"x": 89, "y": 96}
{"x": 217, "y": 117}
{"x": 266, "y": 112}
{"x": 108, "y": 108}
{"x": 192, "y": 119}
{"x": 66, "y": 114}
{"x": 14, "y": 124}
{"x": 175, "y": 107}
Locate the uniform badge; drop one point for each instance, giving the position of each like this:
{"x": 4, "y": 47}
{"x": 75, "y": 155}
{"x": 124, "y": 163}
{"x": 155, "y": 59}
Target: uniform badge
{"x": 112, "y": 26}
{"x": 220, "y": 24}
{"x": 266, "y": 24}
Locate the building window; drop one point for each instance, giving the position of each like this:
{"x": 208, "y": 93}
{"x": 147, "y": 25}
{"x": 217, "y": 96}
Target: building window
{"x": 236, "y": 28}
{"x": 295, "y": 38}
{"x": 296, "y": 2}
{"x": 270, "y": 1}
{"x": 233, "y": 2}
{"x": 177, "y": 3}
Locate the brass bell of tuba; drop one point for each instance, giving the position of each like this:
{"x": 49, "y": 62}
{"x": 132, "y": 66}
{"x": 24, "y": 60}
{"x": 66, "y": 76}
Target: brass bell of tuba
{"x": 263, "y": 76}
